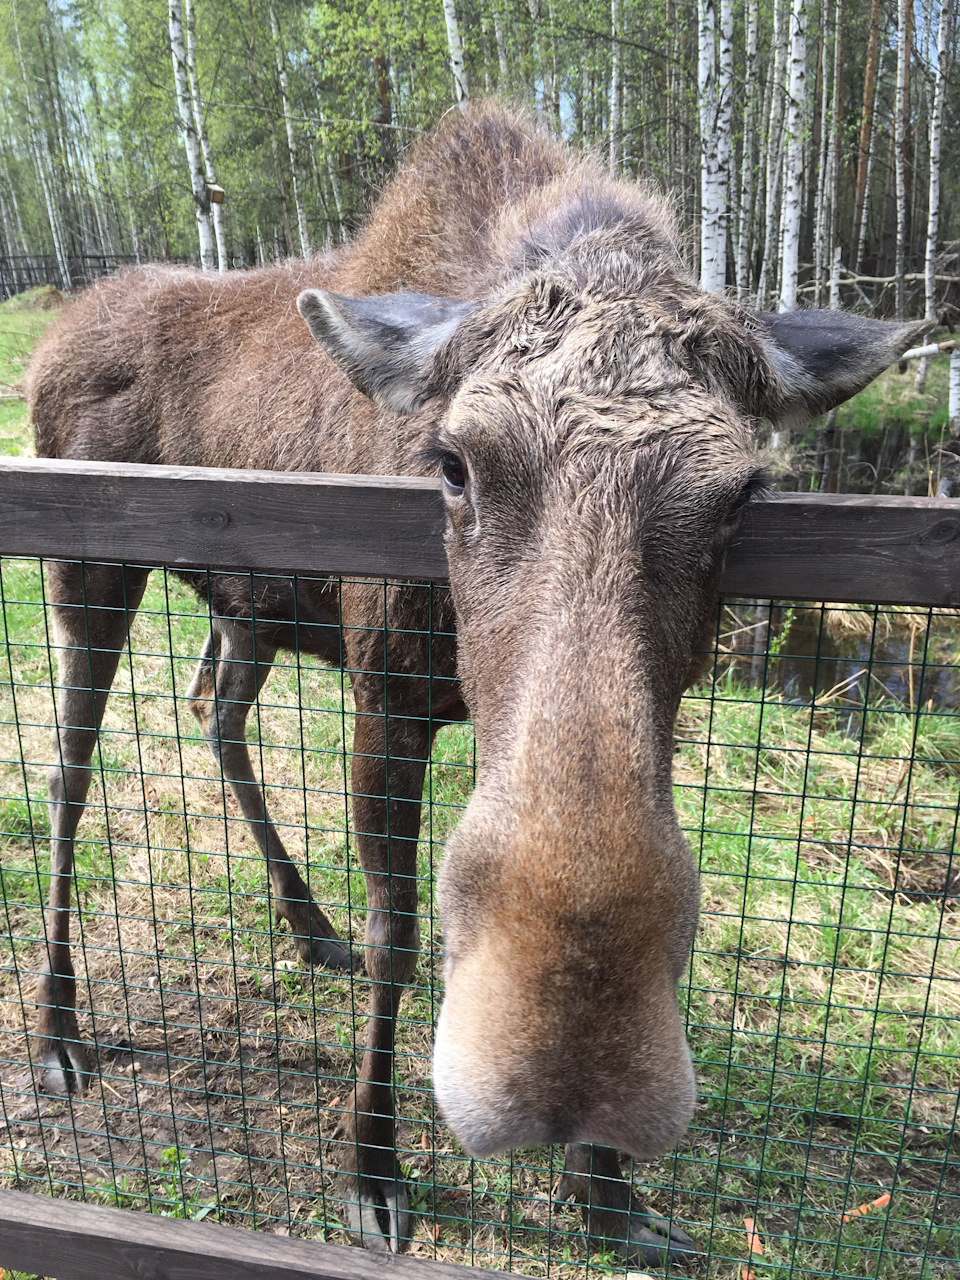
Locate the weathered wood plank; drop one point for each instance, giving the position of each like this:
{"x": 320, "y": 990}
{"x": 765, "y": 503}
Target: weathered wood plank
{"x": 872, "y": 549}
{"x": 187, "y": 516}
{"x": 878, "y": 550}
{"x": 88, "y": 1242}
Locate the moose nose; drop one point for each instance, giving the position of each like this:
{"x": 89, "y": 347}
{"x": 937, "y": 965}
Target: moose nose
{"x": 632, "y": 1091}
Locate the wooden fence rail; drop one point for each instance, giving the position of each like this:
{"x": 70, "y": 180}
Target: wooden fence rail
{"x": 73, "y": 1241}
{"x": 844, "y": 547}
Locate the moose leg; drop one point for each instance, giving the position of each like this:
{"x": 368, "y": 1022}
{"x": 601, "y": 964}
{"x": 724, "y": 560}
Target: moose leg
{"x": 389, "y": 764}
{"x": 613, "y": 1217}
{"x": 232, "y": 671}
{"x": 93, "y": 606}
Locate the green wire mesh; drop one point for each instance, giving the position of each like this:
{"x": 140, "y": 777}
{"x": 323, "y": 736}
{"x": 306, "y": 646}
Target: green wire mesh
{"x": 817, "y": 776}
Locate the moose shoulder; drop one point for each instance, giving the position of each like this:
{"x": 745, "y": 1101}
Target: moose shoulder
{"x": 519, "y": 321}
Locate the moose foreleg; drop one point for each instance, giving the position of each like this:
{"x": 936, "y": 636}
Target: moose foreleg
{"x": 613, "y": 1217}
{"x": 93, "y": 606}
{"x": 388, "y": 770}
{"x": 232, "y": 670}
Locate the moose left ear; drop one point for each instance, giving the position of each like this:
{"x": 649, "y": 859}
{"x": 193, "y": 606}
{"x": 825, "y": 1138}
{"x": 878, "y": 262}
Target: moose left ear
{"x": 822, "y": 358}
{"x": 384, "y": 344}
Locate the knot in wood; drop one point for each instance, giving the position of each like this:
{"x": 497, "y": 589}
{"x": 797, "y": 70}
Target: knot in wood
{"x": 214, "y": 519}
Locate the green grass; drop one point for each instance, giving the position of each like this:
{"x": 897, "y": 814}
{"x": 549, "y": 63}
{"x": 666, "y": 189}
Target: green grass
{"x": 24, "y": 319}
{"x": 891, "y": 400}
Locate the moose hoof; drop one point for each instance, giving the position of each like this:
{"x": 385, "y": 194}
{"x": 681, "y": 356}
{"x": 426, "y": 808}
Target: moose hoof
{"x": 622, "y": 1224}
{"x": 378, "y": 1214}
{"x": 332, "y": 953}
{"x": 319, "y": 945}
{"x": 65, "y": 1068}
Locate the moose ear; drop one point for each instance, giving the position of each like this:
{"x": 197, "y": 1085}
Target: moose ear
{"x": 821, "y": 358}
{"x": 383, "y": 344}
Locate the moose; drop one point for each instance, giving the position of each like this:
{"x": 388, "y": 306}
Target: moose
{"x": 519, "y": 322}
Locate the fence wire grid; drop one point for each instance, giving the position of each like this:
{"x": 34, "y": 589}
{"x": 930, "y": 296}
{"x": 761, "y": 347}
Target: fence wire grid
{"x": 817, "y": 770}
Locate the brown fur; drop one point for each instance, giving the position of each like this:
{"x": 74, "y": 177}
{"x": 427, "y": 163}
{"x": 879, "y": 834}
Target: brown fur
{"x": 599, "y": 404}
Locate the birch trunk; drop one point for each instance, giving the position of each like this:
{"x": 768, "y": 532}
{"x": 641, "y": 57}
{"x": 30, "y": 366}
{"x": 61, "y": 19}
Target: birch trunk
{"x": 199, "y": 120}
{"x": 821, "y": 215}
{"x": 774, "y": 149}
{"x": 831, "y": 115}
{"x": 715, "y": 72}
{"x": 615, "y": 68}
{"x": 953, "y": 404}
{"x": 191, "y": 141}
{"x": 280, "y": 58}
{"x": 747, "y": 173}
{"x": 337, "y": 199}
{"x": 793, "y": 161}
{"x": 900, "y": 112}
{"x": 933, "y": 199}
{"x": 460, "y": 86}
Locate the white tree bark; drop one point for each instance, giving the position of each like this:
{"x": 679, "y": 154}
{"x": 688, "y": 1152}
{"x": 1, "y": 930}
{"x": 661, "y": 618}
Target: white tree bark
{"x": 455, "y": 45}
{"x": 821, "y": 248}
{"x": 793, "y": 160}
{"x": 715, "y": 74}
{"x": 933, "y": 199}
{"x": 191, "y": 141}
{"x": 953, "y": 405}
{"x": 615, "y": 69}
{"x": 196, "y": 102}
{"x": 748, "y": 176}
{"x": 337, "y": 200}
{"x": 774, "y": 150}
{"x": 280, "y": 56}
{"x": 901, "y": 109}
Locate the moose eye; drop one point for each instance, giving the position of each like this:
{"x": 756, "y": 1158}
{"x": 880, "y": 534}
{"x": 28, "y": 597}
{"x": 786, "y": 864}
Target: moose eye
{"x": 741, "y": 500}
{"x": 454, "y": 476}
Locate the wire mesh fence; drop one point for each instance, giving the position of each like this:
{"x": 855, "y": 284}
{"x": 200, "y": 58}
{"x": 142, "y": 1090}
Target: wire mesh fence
{"x": 817, "y": 776}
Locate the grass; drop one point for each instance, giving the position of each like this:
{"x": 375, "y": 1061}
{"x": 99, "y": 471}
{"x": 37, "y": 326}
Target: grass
{"x": 23, "y": 321}
{"x": 892, "y": 400}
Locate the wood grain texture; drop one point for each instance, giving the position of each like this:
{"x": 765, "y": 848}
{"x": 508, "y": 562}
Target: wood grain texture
{"x": 876, "y": 550}
{"x": 89, "y": 1242}
{"x": 197, "y": 516}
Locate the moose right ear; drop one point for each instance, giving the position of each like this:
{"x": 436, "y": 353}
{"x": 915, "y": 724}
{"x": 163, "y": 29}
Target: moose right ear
{"x": 384, "y": 344}
{"x": 821, "y": 358}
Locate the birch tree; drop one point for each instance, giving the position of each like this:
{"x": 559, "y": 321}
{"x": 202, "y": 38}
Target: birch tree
{"x": 933, "y": 197}
{"x": 199, "y": 120}
{"x": 774, "y": 152}
{"x": 191, "y": 141}
{"x": 280, "y": 57}
{"x": 901, "y": 111}
{"x": 455, "y": 45}
{"x": 714, "y": 84}
{"x": 616, "y": 54}
{"x": 748, "y": 174}
{"x": 793, "y": 159}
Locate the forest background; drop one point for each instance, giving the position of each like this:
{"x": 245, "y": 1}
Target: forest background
{"x": 806, "y": 143}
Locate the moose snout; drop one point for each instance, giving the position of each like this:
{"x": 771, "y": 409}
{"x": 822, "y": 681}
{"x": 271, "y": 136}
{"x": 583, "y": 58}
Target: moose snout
{"x": 526, "y": 1065}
